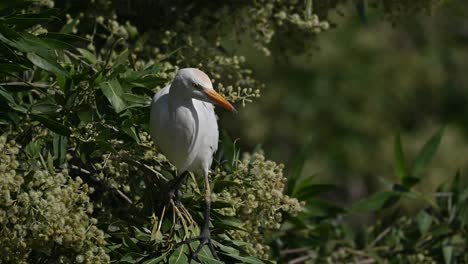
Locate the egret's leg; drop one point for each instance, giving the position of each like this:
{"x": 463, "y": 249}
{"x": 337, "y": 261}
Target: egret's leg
{"x": 176, "y": 187}
{"x": 171, "y": 191}
{"x": 205, "y": 236}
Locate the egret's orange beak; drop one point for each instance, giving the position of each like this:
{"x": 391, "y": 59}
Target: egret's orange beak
{"x": 219, "y": 100}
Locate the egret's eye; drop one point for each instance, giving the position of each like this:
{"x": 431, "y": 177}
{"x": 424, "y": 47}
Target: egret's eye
{"x": 195, "y": 86}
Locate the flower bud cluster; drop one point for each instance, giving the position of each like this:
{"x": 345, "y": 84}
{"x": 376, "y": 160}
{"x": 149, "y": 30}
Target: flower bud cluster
{"x": 269, "y": 17}
{"x": 46, "y": 212}
{"x": 257, "y": 198}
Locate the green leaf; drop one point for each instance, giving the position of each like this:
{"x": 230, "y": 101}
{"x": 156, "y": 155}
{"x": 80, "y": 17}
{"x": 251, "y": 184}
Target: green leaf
{"x": 205, "y": 256}
{"x": 250, "y": 260}
{"x": 305, "y": 189}
{"x": 46, "y": 64}
{"x": 113, "y": 92}
{"x": 131, "y": 131}
{"x": 448, "y": 253}
{"x": 27, "y": 20}
{"x": 43, "y": 108}
{"x": 400, "y": 166}
{"x": 5, "y": 94}
{"x": 68, "y": 28}
{"x": 376, "y": 202}
{"x": 119, "y": 64}
{"x": 157, "y": 260}
{"x": 11, "y": 68}
{"x": 52, "y": 125}
{"x": 60, "y": 148}
{"x": 137, "y": 99}
{"x": 68, "y": 38}
{"x": 321, "y": 208}
{"x": 424, "y": 221}
{"x": 11, "y": 101}
{"x": 130, "y": 242}
{"x": 296, "y": 171}
{"x": 25, "y": 42}
{"x": 58, "y": 44}
{"x": 88, "y": 56}
{"x": 179, "y": 255}
{"x": 228, "y": 222}
{"x": 309, "y": 4}
{"x": 33, "y": 149}
{"x": 426, "y": 153}
{"x": 8, "y": 53}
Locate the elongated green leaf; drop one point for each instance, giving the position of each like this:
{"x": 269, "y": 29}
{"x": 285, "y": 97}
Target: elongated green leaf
{"x": 58, "y": 44}
{"x": 60, "y": 148}
{"x": 400, "y": 166}
{"x": 52, "y": 125}
{"x": 11, "y": 101}
{"x": 47, "y": 64}
{"x": 309, "y": 7}
{"x": 119, "y": 64}
{"x": 7, "y": 96}
{"x": 11, "y": 68}
{"x": 376, "y": 202}
{"x": 68, "y": 28}
{"x": 68, "y": 38}
{"x": 8, "y": 53}
{"x": 205, "y": 256}
{"x": 320, "y": 208}
{"x": 296, "y": 171}
{"x": 26, "y": 42}
{"x": 43, "y": 108}
{"x": 88, "y": 56}
{"x": 159, "y": 259}
{"x": 179, "y": 255}
{"x": 113, "y": 92}
{"x": 27, "y": 20}
{"x": 424, "y": 221}
{"x": 228, "y": 222}
{"x": 137, "y": 99}
{"x": 250, "y": 260}
{"x": 448, "y": 253}
{"x": 131, "y": 131}
{"x": 426, "y": 153}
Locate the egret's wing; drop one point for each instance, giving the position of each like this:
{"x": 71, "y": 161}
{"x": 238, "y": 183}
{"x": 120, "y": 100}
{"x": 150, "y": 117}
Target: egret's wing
{"x": 209, "y": 134}
{"x": 173, "y": 129}
{"x": 213, "y": 131}
{"x": 159, "y": 114}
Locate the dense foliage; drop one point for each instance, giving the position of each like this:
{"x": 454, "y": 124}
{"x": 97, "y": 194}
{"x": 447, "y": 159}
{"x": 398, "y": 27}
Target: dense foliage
{"x": 81, "y": 180}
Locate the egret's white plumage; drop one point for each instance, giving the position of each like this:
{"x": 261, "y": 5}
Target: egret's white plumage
{"x": 183, "y": 123}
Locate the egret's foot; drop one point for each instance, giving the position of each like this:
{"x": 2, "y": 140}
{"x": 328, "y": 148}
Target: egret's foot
{"x": 205, "y": 240}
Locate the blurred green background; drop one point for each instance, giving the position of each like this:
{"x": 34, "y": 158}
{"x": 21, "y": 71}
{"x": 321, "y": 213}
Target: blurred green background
{"x": 362, "y": 83}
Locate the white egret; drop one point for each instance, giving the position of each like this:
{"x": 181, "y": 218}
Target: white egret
{"x": 183, "y": 125}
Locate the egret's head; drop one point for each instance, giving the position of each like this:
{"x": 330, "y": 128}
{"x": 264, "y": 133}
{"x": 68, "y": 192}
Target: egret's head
{"x": 197, "y": 85}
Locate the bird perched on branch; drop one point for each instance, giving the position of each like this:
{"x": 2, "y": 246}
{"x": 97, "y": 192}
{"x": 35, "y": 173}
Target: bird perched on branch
{"x": 183, "y": 125}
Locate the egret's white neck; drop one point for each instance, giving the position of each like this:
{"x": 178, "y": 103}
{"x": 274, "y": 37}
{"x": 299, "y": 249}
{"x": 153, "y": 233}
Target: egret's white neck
{"x": 179, "y": 94}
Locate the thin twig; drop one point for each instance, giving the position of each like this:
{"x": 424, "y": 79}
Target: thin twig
{"x": 81, "y": 169}
{"x": 293, "y": 251}
{"x": 161, "y": 219}
{"x": 124, "y": 196}
{"x": 380, "y": 236}
{"x": 76, "y": 57}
